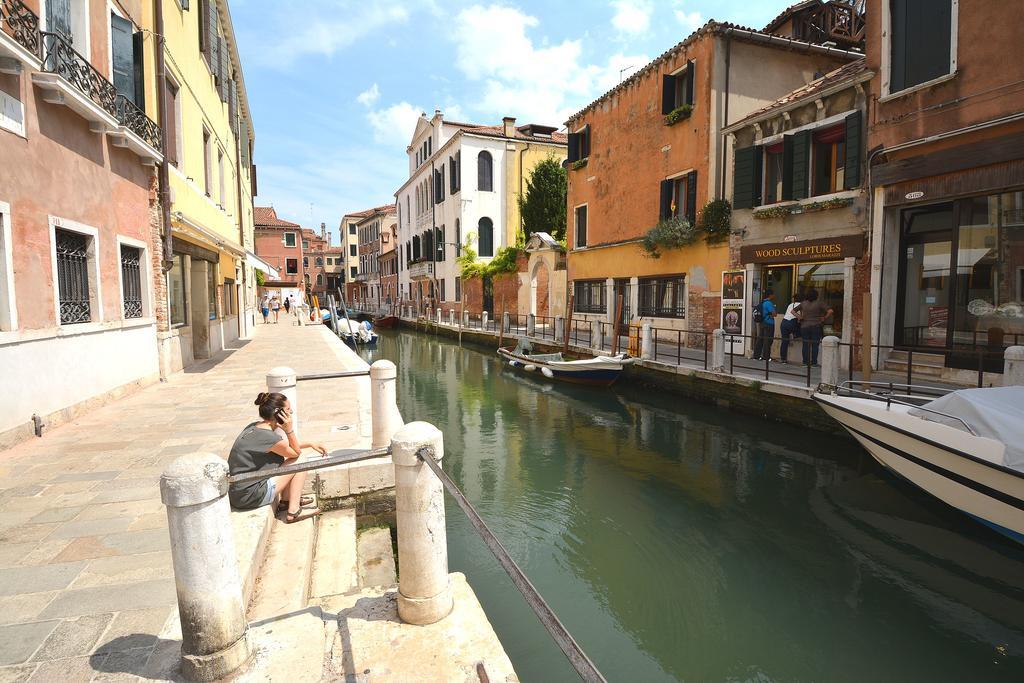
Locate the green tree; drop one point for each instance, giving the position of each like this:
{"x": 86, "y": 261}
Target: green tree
{"x": 542, "y": 206}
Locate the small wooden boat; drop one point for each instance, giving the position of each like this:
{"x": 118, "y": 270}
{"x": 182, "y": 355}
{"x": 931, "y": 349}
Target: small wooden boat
{"x": 599, "y": 371}
{"x": 386, "y": 322}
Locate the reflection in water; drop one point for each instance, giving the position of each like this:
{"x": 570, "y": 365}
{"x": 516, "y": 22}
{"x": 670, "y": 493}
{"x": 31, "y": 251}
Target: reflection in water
{"x": 679, "y": 541}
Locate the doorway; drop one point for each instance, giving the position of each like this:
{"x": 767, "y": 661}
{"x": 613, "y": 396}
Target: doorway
{"x": 926, "y": 251}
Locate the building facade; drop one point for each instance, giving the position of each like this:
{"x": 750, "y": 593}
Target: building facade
{"x": 649, "y": 155}
{"x": 442, "y": 210}
{"x": 374, "y": 234}
{"x": 388, "y": 267}
{"x": 79, "y": 234}
{"x": 279, "y": 243}
{"x": 946, "y": 170}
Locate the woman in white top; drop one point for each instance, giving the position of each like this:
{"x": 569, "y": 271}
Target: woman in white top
{"x": 790, "y": 326}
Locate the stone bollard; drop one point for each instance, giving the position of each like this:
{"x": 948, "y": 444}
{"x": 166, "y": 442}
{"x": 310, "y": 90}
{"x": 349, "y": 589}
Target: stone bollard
{"x": 438, "y": 316}
{"x": 830, "y": 361}
{"x": 424, "y": 591}
{"x": 1013, "y": 366}
{"x": 465, "y": 318}
{"x": 214, "y": 631}
{"x": 384, "y": 414}
{"x": 531, "y": 324}
{"x": 559, "y": 328}
{"x": 282, "y": 380}
{"x": 506, "y": 322}
{"x": 718, "y": 350}
{"x": 598, "y": 341}
{"x": 451, "y": 317}
{"x": 483, "y": 320}
{"x": 646, "y": 342}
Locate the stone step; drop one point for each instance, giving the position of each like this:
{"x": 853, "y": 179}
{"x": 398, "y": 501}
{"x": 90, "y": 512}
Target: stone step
{"x": 282, "y": 585}
{"x": 920, "y": 357}
{"x": 251, "y": 530}
{"x": 376, "y": 557}
{"x": 922, "y": 369}
{"x": 334, "y": 556}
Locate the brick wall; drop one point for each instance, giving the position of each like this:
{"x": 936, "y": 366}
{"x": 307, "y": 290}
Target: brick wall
{"x": 156, "y": 251}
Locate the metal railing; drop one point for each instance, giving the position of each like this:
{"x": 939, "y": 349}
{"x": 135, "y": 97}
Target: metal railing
{"x": 22, "y": 24}
{"x": 135, "y": 120}
{"x": 62, "y": 59}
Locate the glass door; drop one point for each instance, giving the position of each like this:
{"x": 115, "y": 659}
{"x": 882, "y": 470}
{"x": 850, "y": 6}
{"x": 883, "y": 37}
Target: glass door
{"x": 926, "y": 265}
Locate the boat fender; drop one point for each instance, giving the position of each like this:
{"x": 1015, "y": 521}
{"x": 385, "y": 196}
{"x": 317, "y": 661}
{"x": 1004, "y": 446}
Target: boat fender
{"x": 547, "y": 372}
{"x": 514, "y": 363}
{"x": 529, "y": 367}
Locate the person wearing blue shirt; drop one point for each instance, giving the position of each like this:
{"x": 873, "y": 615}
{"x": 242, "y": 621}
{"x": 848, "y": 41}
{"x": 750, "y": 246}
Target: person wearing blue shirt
{"x": 766, "y": 333}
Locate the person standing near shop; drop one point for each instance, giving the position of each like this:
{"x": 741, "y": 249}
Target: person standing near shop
{"x": 766, "y": 331}
{"x": 812, "y": 316}
{"x": 790, "y": 328}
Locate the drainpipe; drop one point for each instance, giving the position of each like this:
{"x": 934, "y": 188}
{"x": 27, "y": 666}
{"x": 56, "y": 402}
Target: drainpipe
{"x": 241, "y": 224}
{"x": 163, "y": 173}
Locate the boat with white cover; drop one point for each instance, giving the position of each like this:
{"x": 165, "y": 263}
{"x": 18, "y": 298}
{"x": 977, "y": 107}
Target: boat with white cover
{"x": 966, "y": 448}
{"x": 597, "y": 371}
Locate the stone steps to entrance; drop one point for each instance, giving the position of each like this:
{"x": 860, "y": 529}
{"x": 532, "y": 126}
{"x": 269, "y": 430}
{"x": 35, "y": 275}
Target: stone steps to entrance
{"x": 334, "y": 556}
{"x": 282, "y": 584}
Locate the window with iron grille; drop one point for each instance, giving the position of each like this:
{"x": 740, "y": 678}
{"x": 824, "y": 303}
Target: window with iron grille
{"x": 663, "y": 297}
{"x": 131, "y": 281}
{"x": 73, "y": 277}
{"x": 589, "y": 296}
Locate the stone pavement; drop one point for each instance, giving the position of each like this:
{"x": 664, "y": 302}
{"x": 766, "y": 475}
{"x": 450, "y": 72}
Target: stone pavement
{"x": 86, "y": 583}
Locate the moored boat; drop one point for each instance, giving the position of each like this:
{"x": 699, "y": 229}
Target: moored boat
{"x": 597, "y": 371}
{"x": 386, "y": 322}
{"x": 965, "y": 448}
{"x": 356, "y": 334}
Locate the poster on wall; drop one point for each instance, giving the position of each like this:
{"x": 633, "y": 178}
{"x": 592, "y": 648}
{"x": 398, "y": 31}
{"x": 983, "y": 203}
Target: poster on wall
{"x": 733, "y": 308}
{"x": 732, "y": 286}
{"x": 732, "y": 318}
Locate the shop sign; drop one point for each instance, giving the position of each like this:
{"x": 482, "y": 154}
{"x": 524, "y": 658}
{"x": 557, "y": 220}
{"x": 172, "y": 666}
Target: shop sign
{"x": 913, "y": 195}
{"x": 831, "y": 249}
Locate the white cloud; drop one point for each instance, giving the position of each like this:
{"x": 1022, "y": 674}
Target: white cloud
{"x": 369, "y": 97}
{"x": 395, "y": 124}
{"x": 691, "y": 21}
{"x": 535, "y": 83}
{"x": 632, "y": 16}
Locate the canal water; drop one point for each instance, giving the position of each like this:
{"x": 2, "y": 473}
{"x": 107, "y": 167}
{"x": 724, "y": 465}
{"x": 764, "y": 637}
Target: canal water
{"x": 678, "y": 541}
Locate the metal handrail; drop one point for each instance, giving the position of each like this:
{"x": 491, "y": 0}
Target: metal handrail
{"x": 22, "y": 24}
{"x": 890, "y": 399}
{"x": 342, "y": 458}
{"x": 570, "y": 648}
{"x": 333, "y": 375}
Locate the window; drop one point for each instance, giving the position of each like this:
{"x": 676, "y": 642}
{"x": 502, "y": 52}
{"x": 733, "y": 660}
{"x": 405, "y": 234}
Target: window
{"x": 351, "y": 228}
{"x": 228, "y": 297}
{"x": 773, "y": 174}
{"x": 74, "y": 251}
{"x": 589, "y": 296}
{"x": 440, "y": 243}
{"x": 581, "y": 226}
{"x": 828, "y": 154}
{"x": 289, "y": 239}
{"x": 211, "y": 289}
{"x": 453, "y": 176}
{"x": 679, "y": 197}
{"x": 486, "y": 238}
{"x": 484, "y": 172}
{"x": 305, "y": 244}
{"x": 458, "y": 289}
{"x": 353, "y": 250}
{"x": 442, "y": 283}
{"x": 579, "y": 144}
{"x": 439, "y": 185}
{"x": 663, "y": 297}
{"x": 176, "y": 290}
{"x": 173, "y": 123}
{"x": 305, "y": 262}
{"x": 677, "y": 89}
{"x": 292, "y": 266}
{"x": 131, "y": 281}
{"x": 920, "y": 41}
{"x": 220, "y": 177}
{"x": 319, "y": 261}
{"x": 207, "y": 160}
{"x": 319, "y": 279}
{"x": 353, "y": 271}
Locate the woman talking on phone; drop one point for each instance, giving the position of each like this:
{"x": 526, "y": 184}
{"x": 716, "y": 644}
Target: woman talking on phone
{"x": 268, "y": 444}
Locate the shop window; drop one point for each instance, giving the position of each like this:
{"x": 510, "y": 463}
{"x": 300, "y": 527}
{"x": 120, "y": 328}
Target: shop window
{"x": 581, "y": 226}
{"x": 773, "y": 174}
{"x": 663, "y": 297}
{"x": 920, "y": 42}
{"x": 679, "y": 197}
{"x": 176, "y": 291}
{"x": 589, "y": 296}
{"x": 579, "y": 144}
{"x": 292, "y": 266}
{"x": 827, "y": 278}
{"x": 677, "y": 89}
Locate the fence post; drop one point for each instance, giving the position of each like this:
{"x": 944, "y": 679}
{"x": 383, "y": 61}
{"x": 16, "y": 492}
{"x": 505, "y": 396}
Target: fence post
{"x": 830, "y": 361}
{"x": 1013, "y": 366}
{"x": 506, "y": 322}
{"x": 531, "y": 324}
{"x": 424, "y": 591}
{"x": 282, "y": 380}
{"x": 214, "y": 631}
{"x": 483, "y": 320}
{"x": 718, "y": 350}
{"x": 384, "y": 415}
{"x": 646, "y": 342}
{"x": 559, "y": 328}
{"x": 598, "y": 341}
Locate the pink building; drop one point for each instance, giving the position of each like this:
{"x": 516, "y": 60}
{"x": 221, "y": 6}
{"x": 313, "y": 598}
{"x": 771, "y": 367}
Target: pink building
{"x": 280, "y": 244}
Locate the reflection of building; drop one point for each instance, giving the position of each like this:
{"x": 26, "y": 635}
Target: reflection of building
{"x": 947, "y": 174}
{"x": 799, "y": 208}
{"x": 279, "y": 243}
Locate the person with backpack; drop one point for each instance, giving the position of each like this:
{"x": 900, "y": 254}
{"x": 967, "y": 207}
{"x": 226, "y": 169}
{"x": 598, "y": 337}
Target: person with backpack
{"x": 764, "y": 318}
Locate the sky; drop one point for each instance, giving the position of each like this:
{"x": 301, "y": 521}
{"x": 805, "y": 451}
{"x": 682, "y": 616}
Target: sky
{"x": 336, "y": 86}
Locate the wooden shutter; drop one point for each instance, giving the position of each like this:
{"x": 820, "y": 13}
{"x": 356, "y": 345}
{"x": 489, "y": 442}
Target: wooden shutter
{"x": 799, "y": 168}
{"x": 691, "y": 197}
{"x": 897, "y": 45}
{"x": 252, "y": 180}
{"x": 665, "y": 210}
{"x": 585, "y": 142}
{"x": 224, "y": 70}
{"x": 691, "y": 79}
{"x": 451, "y": 176}
{"x": 574, "y": 147}
{"x": 122, "y": 56}
{"x": 668, "y": 93}
{"x": 184, "y": 4}
{"x": 139, "y": 62}
{"x": 170, "y": 122}
{"x": 210, "y": 26}
{"x": 746, "y": 186}
{"x": 233, "y": 106}
{"x": 58, "y": 18}
{"x": 854, "y": 144}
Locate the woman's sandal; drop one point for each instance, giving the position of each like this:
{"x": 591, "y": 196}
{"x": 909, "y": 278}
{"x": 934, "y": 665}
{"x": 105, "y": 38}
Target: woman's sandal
{"x": 300, "y": 514}
{"x": 304, "y": 501}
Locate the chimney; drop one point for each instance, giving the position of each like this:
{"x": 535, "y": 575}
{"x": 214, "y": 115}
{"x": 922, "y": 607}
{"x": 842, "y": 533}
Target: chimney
{"x": 509, "y": 124}
{"x": 323, "y": 230}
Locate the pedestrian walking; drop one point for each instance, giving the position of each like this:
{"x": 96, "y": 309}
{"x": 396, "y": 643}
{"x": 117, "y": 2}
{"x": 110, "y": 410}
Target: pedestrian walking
{"x": 287, "y": 305}
{"x": 812, "y": 316}
{"x": 790, "y": 327}
{"x": 265, "y": 309}
{"x": 275, "y": 305}
{"x": 268, "y": 444}
{"x": 766, "y": 328}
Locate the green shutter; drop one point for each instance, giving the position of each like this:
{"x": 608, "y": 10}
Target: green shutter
{"x": 665, "y": 209}
{"x": 691, "y": 80}
{"x": 854, "y": 144}
{"x": 801, "y": 165}
{"x": 691, "y": 197}
{"x": 574, "y": 147}
{"x": 746, "y": 190}
{"x": 138, "y": 63}
{"x": 668, "y": 93}
{"x": 122, "y": 56}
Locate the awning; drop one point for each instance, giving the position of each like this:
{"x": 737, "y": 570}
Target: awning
{"x": 197, "y": 230}
{"x": 259, "y": 264}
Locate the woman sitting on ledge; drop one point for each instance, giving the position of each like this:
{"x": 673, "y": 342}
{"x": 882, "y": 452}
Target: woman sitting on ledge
{"x": 268, "y": 444}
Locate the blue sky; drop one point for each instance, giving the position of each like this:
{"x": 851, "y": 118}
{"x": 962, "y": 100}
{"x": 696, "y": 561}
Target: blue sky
{"x": 336, "y": 86}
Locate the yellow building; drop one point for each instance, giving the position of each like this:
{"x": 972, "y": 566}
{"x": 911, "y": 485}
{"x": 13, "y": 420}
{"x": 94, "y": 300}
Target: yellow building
{"x": 197, "y": 92}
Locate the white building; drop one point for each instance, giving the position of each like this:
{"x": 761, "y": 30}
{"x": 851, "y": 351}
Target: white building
{"x": 440, "y": 207}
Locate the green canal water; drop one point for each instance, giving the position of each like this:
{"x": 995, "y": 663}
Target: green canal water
{"x": 678, "y": 541}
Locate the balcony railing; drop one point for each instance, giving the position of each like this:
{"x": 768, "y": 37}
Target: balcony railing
{"x": 22, "y": 24}
{"x": 62, "y": 59}
{"x": 421, "y": 270}
{"x": 135, "y": 120}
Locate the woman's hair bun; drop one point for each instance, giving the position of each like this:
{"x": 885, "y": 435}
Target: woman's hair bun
{"x": 262, "y": 398}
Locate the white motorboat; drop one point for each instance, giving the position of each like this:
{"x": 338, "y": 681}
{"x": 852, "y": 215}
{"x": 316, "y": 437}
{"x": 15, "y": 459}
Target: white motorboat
{"x": 597, "y": 370}
{"x": 966, "y": 448}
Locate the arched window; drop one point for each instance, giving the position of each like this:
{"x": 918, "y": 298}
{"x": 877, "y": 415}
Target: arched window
{"x": 319, "y": 260}
{"x": 485, "y": 172}
{"x": 319, "y": 279}
{"x": 486, "y": 237}
{"x": 305, "y": 262}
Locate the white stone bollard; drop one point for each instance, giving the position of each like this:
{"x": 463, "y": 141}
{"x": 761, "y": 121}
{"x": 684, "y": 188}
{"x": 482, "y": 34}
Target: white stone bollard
{"x": 451, "y": 317}
{"x": 384, "y": 414}
{"x": 282, "y": 380}
{"x": 438, "y": 316}
{"x": 506, "y": 322}
{"x": 214, "y": 631}
{"x": 465, "y": 318}
{"x": 424, "y": 591}
{"x": 1013, "y": 366}
{"x": 483, "y": 320}
{"x": 718, "y": 350}
{"x": 531, "y": 324}
{"x": 646, "y": 342}
{"x": 598, "y": 341}
{"x": 830, "y": 361}
{"x": 559, "y": 328}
